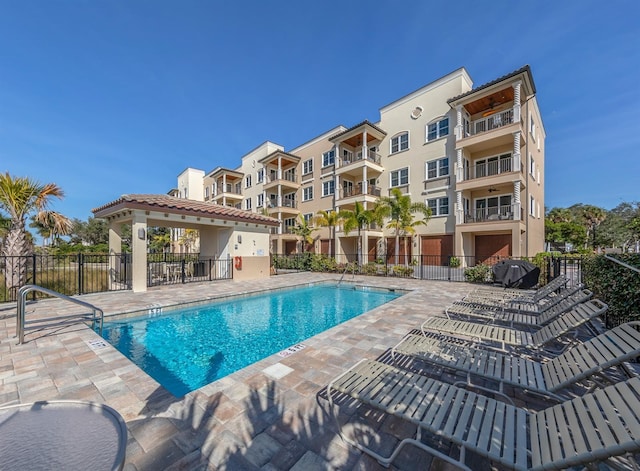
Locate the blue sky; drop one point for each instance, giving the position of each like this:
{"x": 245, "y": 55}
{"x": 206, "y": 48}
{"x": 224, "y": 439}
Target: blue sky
{"x": 112, "y": 97}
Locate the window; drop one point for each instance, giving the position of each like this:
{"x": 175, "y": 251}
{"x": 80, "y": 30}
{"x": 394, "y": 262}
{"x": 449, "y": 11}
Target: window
{"x": 260, "y": 200}
{"x": 328, "y": 158}
{"x": 532, "y": 166}
{"x": 247, "y": 204}
{"x": 438, "y": 168}
{"x": 247, "y": 181}
{"x": 260, "y": 175}
{"x": 438, "y": 129}
{"x": 400, "y": 177}
{"x": 439, "y": 206}
{"x": 328, "y": 188}
{"x": 400, "y": 143}
{"x": 307, "y": 193}
{"x": 307, "y": 167}
{"x": 206, "y": 191}
{"x": 532, "y": 205}
{"x": 308, "y": 218}
{"x": 532, "y": 128}
{"x": 288, "y": 224}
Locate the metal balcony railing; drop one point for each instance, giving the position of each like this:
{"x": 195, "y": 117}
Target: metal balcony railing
{"x": 371, "y": 156}
{"x": 494, "y": 213}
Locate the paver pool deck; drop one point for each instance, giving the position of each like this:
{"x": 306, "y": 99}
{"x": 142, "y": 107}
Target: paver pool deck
{"x": 267, "y": 416}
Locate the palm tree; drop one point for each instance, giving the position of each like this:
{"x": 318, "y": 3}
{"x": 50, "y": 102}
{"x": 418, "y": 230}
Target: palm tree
{"x": 304, "y": 231}
{"x": 51, "y": 225}
{"x": 19, "y": 197}
{"x": 359, "y": 219}
{"x": 188, "y": 239}
{"x": 328, "y": 219}
{"x": 400, "y": 210}
{"x": 593, "y": 217}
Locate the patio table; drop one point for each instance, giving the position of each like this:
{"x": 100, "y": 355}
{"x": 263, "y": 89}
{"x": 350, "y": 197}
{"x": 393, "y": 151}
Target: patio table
{"x": 69, "y": 435}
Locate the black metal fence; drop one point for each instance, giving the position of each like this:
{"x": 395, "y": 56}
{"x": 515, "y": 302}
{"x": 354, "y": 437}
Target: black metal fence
{"x": 81, "y": 273}
{"x": 424, "y": 267}
{"x": 67, "y": 274}
{"x": 172, "y": 268}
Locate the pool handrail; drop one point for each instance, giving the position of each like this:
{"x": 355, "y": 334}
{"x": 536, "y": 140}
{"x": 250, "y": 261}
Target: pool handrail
{"x": 59, "y": 321}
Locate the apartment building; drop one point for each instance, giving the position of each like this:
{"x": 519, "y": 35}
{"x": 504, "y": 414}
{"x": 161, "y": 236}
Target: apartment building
{"x": 475, "y": 156}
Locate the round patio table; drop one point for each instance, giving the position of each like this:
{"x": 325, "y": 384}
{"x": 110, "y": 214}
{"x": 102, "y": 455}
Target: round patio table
{"x": 62, "y": 435}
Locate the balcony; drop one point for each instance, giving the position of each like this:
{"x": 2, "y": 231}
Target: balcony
{"x": 228, "y": 189}
{"x": 287, "y": 179}
{"x": 491, "y": 168}
{"x": 286, "y": 206}
{"x": 492, "y": 214}
{"x": 357, "y": 190}
{"x": 495, "y": 121}
{"x": 371, "y": 157}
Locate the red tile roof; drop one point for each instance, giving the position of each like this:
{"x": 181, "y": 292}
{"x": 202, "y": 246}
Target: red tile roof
{"x": 170, "y": 204}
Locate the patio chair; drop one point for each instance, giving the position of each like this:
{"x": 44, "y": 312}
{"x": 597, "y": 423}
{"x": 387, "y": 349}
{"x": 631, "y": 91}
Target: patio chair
{"x": 515, "y": 338}
{"x": 511, "y": 317}
{"x": 583, "y": 430}
{"x": 585, "y": 360}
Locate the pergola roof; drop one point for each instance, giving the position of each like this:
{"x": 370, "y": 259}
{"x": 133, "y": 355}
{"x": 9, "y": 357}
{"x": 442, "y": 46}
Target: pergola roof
{"x": 182, "y": 207}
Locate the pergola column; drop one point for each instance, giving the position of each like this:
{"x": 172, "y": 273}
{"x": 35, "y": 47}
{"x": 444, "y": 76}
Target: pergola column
{"x": 139, "y": 251}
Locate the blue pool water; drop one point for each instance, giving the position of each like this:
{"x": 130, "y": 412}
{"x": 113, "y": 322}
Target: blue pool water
{"x": 188, "y": 348}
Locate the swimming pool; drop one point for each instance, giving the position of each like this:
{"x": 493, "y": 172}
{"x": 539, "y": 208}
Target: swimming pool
{"x": 187, "y": 348}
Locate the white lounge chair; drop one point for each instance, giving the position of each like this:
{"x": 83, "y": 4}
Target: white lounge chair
{"x": 514, "y": 338}
{"x": 584, "y": 430}
{"x": 582, "y": 361}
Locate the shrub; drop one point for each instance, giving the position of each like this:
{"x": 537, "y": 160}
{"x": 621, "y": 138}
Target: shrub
{"x": 480, "y": 273}
{"x": 616, "y": 285}
{"x": 454, "y": 262}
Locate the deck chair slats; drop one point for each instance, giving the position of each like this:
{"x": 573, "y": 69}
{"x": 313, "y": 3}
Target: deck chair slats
{"x": 452, "y": 418}
{"x": 608, "y": 419}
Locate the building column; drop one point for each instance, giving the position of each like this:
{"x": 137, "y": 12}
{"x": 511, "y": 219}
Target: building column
{"x": 516, "y": 152}
{"x": 516, "y": 201}
{"x": 459, "y": 167}
{"x": 139, "y": 251}
{"x": 365, "y": 180}
{"x": 516, "y": 101}
{"x": 365, "y": 149}
{"x": 459, "y": 208}
{"x": 337, "y": 162}
{"x": 279, "y": 167}
{"x": 336, "y": 190}
{"x": 459, "y": 125}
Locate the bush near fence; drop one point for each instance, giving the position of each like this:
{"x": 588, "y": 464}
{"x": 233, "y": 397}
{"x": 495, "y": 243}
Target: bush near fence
{"x": 616, "y": 285}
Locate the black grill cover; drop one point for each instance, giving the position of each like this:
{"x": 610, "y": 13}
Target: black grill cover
{"x": 516, "y": 274}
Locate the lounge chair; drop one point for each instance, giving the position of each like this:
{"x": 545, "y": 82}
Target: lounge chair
{"x": 534, "y": 296}
{"x": 583, "y": 430}
{"x": 505, "y": 336}
{"x": 584, "y": 360}
{"x": 531, "y": 318}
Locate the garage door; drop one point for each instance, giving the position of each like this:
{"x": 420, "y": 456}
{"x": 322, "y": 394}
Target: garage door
{"x": 437, "y": 249}
{"x": 491, "y": 247}
{"x": 403, "y": 257}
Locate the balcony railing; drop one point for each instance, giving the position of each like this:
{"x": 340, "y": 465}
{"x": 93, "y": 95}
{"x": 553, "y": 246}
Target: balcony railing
{"x": 284, "y": 204}
{"x": 489, "y": 123}
{"x": 288, "y": 176}
{"x": 228, "y": 188}
{"x": 494, "y": 167}
{"x": 372, "y": 157}
{"x": 357, "y": 190}
{"x": 495, "y": 213}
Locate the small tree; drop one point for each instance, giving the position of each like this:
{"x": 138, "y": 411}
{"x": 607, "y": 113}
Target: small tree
{"x": 304, "y": 231}
{"x": 328, "y": 219}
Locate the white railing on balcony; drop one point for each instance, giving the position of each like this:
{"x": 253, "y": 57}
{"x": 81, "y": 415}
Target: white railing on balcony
{"x": 288, "y": 176}
{"x": 495, "y": 121}
{"x": 357, "y": 190}
{"x": 372, "y": 157}
{"x": 228, "y": 188}
{"x": 494, "y": 213}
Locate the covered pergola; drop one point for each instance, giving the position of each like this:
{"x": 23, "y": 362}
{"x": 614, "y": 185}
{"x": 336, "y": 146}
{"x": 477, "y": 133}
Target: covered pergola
{"x": 224, "y": 231}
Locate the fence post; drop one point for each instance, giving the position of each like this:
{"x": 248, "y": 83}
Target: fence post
{"x": 209, "y": 269}
{"x": 182, "y": 274}
{"x": 33, "y": 266}
{"x": 449, "y": 267}
{"x": 80, "y": 274}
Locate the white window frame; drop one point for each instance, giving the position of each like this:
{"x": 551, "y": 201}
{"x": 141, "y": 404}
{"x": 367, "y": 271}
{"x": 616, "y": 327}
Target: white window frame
{"x": 532, "y": 206}
{"x": 438, "y": 168}
{"x": 328, "y": 188}
{"x": 247, "y": 204}
{"x": 439, "y": 128}
{"x": 438, "y": 205}
{"x": 328, "y": 158}
{"x": 247, "y": 181}
{"x": 397, "y": 140}
{"x": 532, "y": 167}
{"x": 206, "y": 191}
{"x": 399, "y": 173}
{"x": 260, "y": 176}
{"x": 307, "y": 167}
{"x": 308, "y": 217}
{"x": 260, "y": 200}
{"x": 307, "y": 193}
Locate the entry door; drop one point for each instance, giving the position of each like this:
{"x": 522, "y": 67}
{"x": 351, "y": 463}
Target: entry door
{"x": 347, "y": 188}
